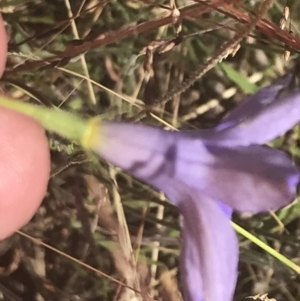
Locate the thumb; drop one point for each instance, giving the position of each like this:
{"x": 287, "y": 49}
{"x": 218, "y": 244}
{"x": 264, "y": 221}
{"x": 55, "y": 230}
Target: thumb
{"x": 24, "y": 170}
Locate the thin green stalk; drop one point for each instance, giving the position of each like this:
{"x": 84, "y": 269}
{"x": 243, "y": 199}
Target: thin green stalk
{"x": 267, "y": 248}
{"x": 65, "y": 124}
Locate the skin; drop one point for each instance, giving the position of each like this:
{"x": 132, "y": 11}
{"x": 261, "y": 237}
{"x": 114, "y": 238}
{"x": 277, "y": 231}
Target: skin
{"x": 24, "y": 162}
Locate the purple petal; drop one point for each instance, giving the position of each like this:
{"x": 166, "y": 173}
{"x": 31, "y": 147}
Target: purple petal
{"x": 209, "y": 254}
{"x": 258, "y": 119}
{"x": 272, "y": 121}
{"x": 253, "y": 104}
{"x": 254, "y": 178}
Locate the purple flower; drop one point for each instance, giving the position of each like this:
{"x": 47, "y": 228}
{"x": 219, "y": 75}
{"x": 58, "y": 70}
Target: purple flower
{"x": 209, "y": 173}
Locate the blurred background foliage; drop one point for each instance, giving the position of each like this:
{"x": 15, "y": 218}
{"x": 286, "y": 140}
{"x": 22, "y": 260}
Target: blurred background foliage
{"x": 98, "y": 228}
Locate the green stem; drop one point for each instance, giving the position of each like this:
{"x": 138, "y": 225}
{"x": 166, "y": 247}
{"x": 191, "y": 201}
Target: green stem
{"x": 268, "y": 249}
{"x": 65, "y": 124}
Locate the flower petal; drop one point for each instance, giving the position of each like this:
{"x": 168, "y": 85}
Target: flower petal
{"x": 253, "y": 178}
{"x": 209, "y": 255}
{"x": 258, "y": 119}
{"x": 253, "y": 104}
{"x": 270, "y": 122}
